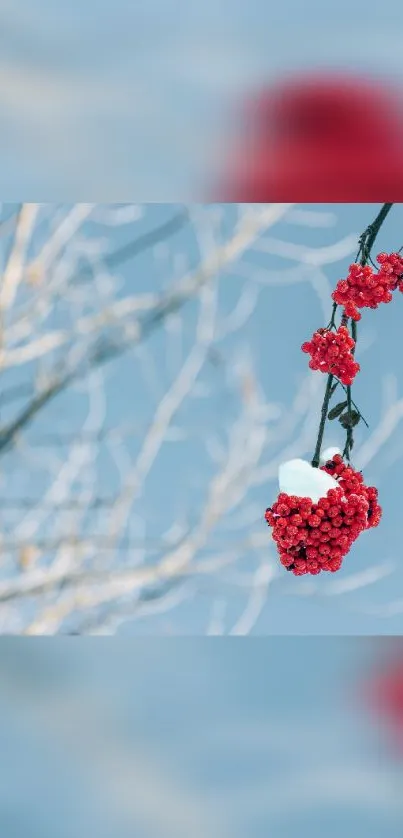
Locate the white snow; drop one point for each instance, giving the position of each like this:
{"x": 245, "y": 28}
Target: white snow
{"x": 297, "y": 477}
{"x": 328, "y": 455}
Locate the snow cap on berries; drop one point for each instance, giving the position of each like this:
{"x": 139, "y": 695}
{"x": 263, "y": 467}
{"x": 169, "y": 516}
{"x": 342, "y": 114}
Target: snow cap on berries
{"x": 297, "y": 477}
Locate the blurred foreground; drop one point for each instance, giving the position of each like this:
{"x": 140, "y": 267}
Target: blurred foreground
{"x": 320, "y": 137}
{"x": 179, "y": 739}
{"x": 106, "y": 102}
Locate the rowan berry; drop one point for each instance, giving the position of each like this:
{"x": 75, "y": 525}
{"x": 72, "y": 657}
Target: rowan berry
{"x": 365, "y": 288}
{"x": 332, "y": 353}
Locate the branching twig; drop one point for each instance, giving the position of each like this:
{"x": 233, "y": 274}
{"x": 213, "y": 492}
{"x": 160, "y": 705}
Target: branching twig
{"x": 366, "y": 243}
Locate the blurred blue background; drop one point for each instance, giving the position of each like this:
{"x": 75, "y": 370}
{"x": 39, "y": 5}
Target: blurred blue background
{"x": 133, "y": 99}
{"x": 188, "y": 737}
{"x": 134, "y": 499}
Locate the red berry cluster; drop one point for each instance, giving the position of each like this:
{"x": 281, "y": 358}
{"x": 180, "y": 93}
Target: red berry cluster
{"x": 312, "y": 537}
{"x": 365, "y": 288}
{"x": 331, "y": 352}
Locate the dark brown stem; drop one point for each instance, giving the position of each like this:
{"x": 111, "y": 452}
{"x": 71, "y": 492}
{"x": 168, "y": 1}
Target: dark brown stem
{"x": 325, "y": 407}
{"x": 350, "y": 438}
{"x": 367, "y": 240}
{"x": 332, "y": 319}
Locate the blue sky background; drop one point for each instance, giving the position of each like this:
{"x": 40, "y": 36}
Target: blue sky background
{"x": 365, "y": 597}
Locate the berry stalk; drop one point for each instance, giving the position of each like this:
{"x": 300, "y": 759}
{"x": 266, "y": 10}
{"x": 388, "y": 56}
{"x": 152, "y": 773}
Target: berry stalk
{"x": 323, "y": 414}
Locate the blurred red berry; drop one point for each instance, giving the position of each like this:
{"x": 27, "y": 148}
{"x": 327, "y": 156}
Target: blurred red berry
{"x": 318, "y": 139}
{"x": 384, "y": 695}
